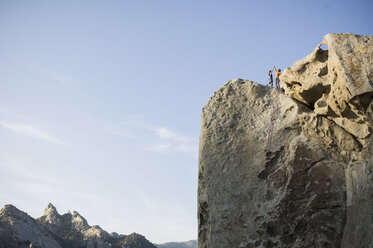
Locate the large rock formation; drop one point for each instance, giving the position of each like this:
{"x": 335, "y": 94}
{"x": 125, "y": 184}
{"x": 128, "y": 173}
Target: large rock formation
{"x": 292, "y": 169}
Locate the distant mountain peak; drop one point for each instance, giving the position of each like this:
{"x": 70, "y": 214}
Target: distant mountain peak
{"x": 9, "y": 207}
{"x": 51, "y": 215}
{"x": 76, "y": 214}
{"x": 51, "y": 206}
{"x": 17, "y": 227}
{"x": 79, "y": 221}
{"x": 10, "y": 210}
{"x": 52, "y": 230}
{"x": 50, "y": 210}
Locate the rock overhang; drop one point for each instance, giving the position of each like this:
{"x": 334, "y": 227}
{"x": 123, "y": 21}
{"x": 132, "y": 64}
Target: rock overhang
{"x": 337, "y": 83}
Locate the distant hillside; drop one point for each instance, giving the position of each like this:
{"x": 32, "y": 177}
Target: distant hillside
{"x": 52, "y": 230}
{"x": 188, "y": 244}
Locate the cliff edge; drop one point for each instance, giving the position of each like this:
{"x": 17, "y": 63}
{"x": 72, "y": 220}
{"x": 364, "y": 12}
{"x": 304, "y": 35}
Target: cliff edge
{"x": 292, "y": 169}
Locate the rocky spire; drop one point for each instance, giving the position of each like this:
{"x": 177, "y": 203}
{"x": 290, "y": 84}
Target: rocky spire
{"x": 50, "y": 209}
{"x": 79, "y": 222}
{"x": 51, "y": 215}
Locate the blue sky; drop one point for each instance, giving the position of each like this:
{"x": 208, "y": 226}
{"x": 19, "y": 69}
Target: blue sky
{"x": 100, "y": 101}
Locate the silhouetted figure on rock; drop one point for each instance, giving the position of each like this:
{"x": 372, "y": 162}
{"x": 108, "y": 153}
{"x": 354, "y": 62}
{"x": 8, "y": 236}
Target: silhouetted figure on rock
{"x": 270, "y": 78}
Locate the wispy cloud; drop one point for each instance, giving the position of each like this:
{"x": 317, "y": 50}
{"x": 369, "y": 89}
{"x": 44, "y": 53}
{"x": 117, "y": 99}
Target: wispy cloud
{"x": 162, "y": 139}
{"x": 165, "y": 139}
{"x": 61, "y": 78}
{"x": 111, "y": 128}
{"x": 12, "y": 165}
{"x": 32, "y": 131}
{"x": 25, "y": 125}
{"x": 44, "y": 186}
{"x": 168, "y": 134}
{"x": 5, "y": 111}
{"x": 158, "y": 147}
{"x": 170, "y": 140}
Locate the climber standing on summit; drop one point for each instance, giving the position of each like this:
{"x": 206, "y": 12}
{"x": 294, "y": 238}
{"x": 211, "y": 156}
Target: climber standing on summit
{"x": 270, "y": 78}
{"x": 278, "y": 73}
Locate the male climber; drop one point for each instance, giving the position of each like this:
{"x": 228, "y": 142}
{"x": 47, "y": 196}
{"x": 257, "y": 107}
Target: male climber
{"x": 278, "y": 73}
{"x": 270, "y": 78}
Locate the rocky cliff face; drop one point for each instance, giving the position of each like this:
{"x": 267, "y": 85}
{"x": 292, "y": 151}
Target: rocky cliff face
{"x": 292, "y": 169}
{"x": 52, "y": 230}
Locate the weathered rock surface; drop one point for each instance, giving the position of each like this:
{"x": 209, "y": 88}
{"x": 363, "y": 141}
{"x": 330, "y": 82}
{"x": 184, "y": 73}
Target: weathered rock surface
{"x": 337, "y": 83}
{"x": 292, "y": 169}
